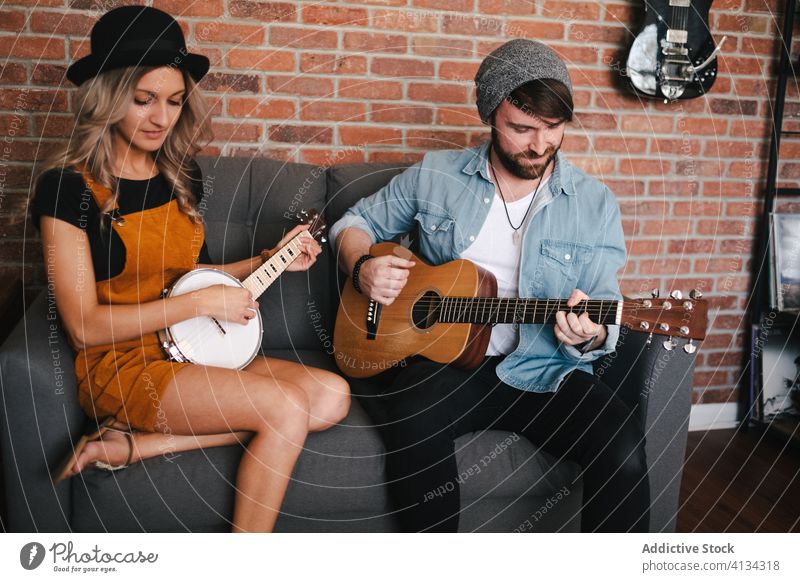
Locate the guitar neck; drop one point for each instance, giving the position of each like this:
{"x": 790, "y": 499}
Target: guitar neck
{"x": 518, "y": 310}
{"x": 260, "y": 279}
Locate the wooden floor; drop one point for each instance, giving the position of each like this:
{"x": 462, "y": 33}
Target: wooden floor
{"x": 740, "y": 482}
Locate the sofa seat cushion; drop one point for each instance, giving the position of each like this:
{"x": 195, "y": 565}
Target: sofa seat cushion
{"x": 339, "y": 476}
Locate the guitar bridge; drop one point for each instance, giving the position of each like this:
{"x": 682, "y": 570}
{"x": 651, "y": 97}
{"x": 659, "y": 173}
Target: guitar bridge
{"x": 373, "y": 319}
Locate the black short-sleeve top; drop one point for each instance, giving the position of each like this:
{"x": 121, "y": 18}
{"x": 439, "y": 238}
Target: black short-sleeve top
{"x": 64, "y": 195}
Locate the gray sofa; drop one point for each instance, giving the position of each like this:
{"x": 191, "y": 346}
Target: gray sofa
{"x": 338, "y": 481}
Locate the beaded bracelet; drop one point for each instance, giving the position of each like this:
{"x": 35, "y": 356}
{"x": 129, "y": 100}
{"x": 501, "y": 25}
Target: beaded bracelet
{"x": 356, "y": 268}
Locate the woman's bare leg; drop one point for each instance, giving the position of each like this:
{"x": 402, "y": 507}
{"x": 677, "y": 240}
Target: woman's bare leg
{"x": 211, "y": 401}
{"x": 329, "y": 401}
{"x": 328, "y": 393}
{"x": 114, "y": 448}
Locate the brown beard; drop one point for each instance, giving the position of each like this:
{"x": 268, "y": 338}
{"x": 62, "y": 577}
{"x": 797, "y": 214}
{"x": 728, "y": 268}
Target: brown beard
{"x": 515, "y": 163}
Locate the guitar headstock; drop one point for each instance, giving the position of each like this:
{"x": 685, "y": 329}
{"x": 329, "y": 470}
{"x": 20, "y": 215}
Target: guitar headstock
{"x": 317, "y": 227}
{"x": 673, "y": 316}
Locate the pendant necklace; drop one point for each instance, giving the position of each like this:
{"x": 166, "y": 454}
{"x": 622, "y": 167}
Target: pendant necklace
{"x": 516, "y": 237}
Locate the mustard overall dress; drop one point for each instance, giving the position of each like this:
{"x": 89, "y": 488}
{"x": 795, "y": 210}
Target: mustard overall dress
{"x": 126, "y": 379}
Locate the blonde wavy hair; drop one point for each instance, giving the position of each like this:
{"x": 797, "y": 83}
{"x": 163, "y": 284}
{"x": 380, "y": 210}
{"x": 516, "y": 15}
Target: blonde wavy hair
{"x": 103, "y": 102}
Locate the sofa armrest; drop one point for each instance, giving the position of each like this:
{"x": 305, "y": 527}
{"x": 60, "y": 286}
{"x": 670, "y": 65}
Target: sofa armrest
{"x": 657, "y": 383}
{"x": 40, "y": 413}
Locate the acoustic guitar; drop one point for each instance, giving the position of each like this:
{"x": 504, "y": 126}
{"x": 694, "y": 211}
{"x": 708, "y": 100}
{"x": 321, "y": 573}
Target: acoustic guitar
{"x": 445, "y": 312}
{"x": 206, "y": 340}
{"x": 674, "y": 56}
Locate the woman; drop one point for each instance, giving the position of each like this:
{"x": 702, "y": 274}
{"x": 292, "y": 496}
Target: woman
{"x": 118, "y": 207}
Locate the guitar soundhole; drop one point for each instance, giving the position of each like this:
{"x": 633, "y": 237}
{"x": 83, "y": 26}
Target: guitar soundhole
{"x": 425, "y": 312}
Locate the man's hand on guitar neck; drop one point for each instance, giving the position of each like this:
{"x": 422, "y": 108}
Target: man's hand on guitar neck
{"x": 573, "y": 330}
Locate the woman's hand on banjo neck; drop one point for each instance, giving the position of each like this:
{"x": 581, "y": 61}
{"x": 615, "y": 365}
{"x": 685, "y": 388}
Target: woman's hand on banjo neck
{"x": 309, "y": 249}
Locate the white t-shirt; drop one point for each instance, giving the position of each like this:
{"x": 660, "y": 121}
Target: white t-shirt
{"x": 495, "y": 251}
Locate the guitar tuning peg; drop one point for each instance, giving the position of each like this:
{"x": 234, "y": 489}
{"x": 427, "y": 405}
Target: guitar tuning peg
{"x": 669, "y": 344}
{"x": 677, "y": 295}
{"x": 323, "y": 239}
{"x": 655, "y": 293}
{"x": 690, "y": 348}
{"x": 695, "y": 294}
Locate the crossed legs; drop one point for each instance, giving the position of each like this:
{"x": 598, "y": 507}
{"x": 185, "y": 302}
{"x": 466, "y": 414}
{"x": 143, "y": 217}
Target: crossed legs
{"x": 272, "y": 405}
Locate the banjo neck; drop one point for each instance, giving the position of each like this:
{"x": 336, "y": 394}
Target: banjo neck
{"x": 264, "y": 276}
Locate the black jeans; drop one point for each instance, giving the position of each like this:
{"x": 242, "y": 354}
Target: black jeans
{"x": 426, "y": 406}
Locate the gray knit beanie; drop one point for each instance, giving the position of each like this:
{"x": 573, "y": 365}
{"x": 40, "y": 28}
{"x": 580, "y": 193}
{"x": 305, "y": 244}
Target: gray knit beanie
{"x": 515, "y": 63}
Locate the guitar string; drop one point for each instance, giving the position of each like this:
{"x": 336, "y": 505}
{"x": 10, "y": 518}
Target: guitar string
{"x": 528, "y": 302}
{"x": 493, "y": 307}
{"x": 605, "y": 318}
{"x": 528, "y": 309}
{"x": 684, "y": 17}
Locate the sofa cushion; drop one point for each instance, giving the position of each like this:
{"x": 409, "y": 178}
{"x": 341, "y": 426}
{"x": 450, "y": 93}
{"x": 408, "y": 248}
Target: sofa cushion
{"x": 348, "y": 183}
{"x": 225, "y": 207}
{"x": 297, "y": 301}
{"x": 493, "y": 462}
{"x": 339, "y": 475}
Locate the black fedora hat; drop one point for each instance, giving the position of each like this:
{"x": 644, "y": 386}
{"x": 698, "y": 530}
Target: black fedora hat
{"x": 136, "y": 36}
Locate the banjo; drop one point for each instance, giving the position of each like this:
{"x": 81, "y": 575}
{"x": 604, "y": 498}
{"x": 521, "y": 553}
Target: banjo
{"x": 208, "y": 341}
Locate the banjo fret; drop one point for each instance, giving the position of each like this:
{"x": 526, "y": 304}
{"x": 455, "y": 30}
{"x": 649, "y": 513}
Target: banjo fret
{"x": 273, "y": 268}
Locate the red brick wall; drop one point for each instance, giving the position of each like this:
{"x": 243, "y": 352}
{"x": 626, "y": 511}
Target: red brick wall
{"x": 385, "y": 80}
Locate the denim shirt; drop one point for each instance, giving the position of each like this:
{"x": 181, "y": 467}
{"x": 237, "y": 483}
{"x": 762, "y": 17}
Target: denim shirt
{"x": 574, "y": 239}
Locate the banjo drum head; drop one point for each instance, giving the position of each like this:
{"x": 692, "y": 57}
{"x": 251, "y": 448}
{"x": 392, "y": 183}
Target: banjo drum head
{"x": 201, "y": 340}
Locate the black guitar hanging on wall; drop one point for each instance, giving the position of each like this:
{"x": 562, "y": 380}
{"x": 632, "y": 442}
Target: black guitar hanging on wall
{"x": 674, "y": 56}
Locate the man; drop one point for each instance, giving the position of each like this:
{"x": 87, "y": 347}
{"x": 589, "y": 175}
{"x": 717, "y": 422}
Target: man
{"x": 519, "y": 209}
